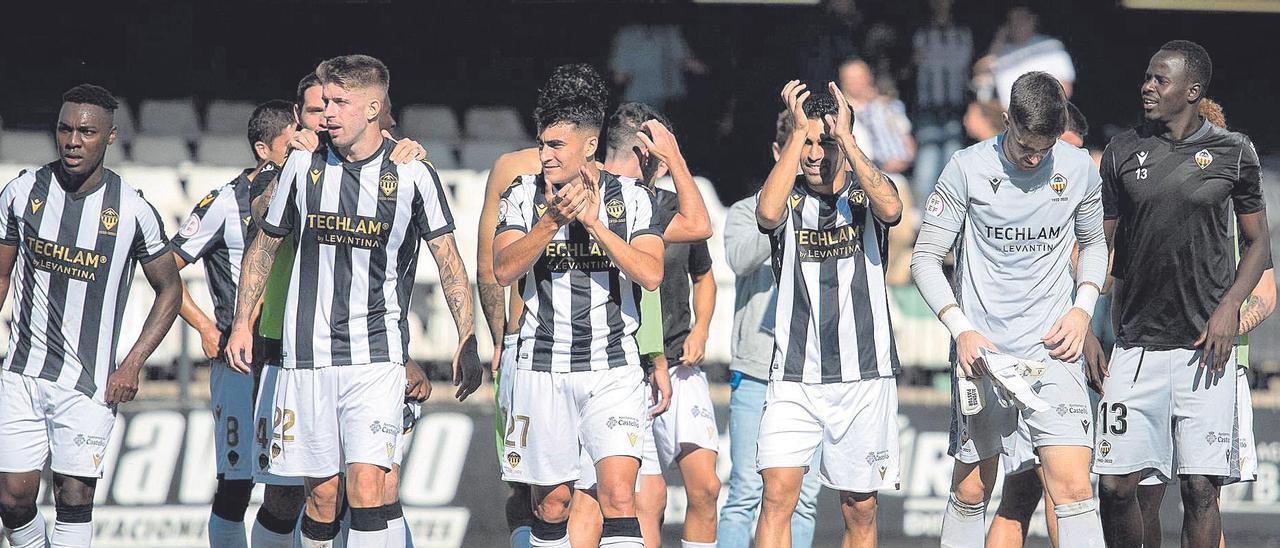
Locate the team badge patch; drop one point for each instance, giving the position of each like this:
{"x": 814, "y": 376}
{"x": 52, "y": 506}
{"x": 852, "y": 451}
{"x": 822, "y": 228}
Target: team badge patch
{"x": 1058, "y": 183}
{"x": 191, "y": 227}
{"x": 315, "y": 176}
{"x": 388, "y": 183}
{"x": 513, "y": 459}
{"x": 1104, "y": 448}
{"x": 110, "y": 219}
{"x": 233, "y": 458}
{"x": 934, "y": 205}
{"x": 1203, "y": 158}
{"x": 502, "y": 212}
{"x": 276, "y": 450}
{"x": 615, "y": 209}
{"x": 995, "y": 183}
{"x": 36, "y": 204}
{"x": 795, "y": 200}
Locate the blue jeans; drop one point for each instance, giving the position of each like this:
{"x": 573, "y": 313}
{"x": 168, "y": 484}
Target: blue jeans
{"x": 746, "y": 406}
{"x": 936, "y": 140}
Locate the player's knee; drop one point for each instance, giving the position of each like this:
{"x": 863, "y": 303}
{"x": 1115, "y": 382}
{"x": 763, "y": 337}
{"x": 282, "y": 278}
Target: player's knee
{"x": 324, "y": 496}
{"x": 15, "y": 514}
{"x": 617, "y": 501}
{"x": 283, "y": 501}
{"x": 1116, "y": 489}
{"x": 231, "y": 499}
{"x": 391, "y": 486}
{"x": 552, "y": 510}
{"x": 705, "y": 494}
{"x": 971, "y": 492}
{"x": 74, "y": 491}
{"x": 1199, "y": 493}
{"x": 860, "y": 509}
{"x": 364, "y": 485}
{"x": 1071, "y": 489}
{"x": 777, "y": 499}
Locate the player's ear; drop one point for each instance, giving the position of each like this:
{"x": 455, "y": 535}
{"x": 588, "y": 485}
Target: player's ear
{"x": 592, "y": 142}
{"x": 374, "y": 110}
{"x": 261, "y": 151}
{"x": 111, "y": 136}
{"x": 1004, "y": 116}
{"x": 777, "y": 152}
{"x": 1195, "y": 92}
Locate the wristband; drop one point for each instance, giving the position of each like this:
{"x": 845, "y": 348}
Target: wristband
{"x": 1086, "y": 298}
{"x": 956, "y": 322}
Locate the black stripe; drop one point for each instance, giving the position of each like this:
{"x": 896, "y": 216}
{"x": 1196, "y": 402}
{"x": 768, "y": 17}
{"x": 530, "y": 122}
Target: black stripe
{"x": 376, "y": 304}
{"x": 829, "y": 298}
{"x": 343, "y": 263}
{"x": 795, "y": 357}
{"x": 864, "y": 319}
{"x": 544, "y": 338}
{"x": 579, "y": 307}
{"x": 617, "y": 353}
{"x": 96, "y": 293}
{"x": 26, "y": 303}
{"x": 68, "y": 229}
{"x": 307, "y": 265}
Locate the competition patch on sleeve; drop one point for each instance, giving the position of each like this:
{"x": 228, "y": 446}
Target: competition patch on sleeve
{"x": 933, "y": 205}
{"x": 191, "y": 227}
{"x": 502, "y": 212}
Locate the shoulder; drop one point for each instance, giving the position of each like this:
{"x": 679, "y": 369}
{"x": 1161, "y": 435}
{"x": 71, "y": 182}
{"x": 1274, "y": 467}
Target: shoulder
{"x": 27, "y": 178}
{"x": 1126, "y": 140}
{"x": 521, "y": 161}
{"x": 1072, "y": 155}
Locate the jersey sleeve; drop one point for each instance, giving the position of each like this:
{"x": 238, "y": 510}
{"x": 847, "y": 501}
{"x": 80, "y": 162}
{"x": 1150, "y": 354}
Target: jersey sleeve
{"x": 149, "y": 241}
{"x": 1089, "y": 234}
{"x": 202, "y": 230}
{"x": 1246, "y": 193}
{"x": 699, "y": 259}
{"x": 1111, "y": 184}
{"x": 948, "y": 205}
{"x": 644, "y": 203}
{"x": 512, "y": 207}
{"x": 432, "y": 217}
{"x": 10, "y": 216}
{"x": 282, "y": 210}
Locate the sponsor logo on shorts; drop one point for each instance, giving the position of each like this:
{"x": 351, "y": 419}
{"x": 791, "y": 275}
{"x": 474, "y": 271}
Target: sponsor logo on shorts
{"x": 97, "y": 460}
{"x": 1217, "y": 437}
{"x": 882, "y": 471}
{"x": 877, "y": 456}
{"x": 1085, "y": 425}
{"x": 513, "y": 459}
{"x": 1104, "y": 449}
{"x": 82, "y": 440}
{"x": 633, "y": 438}
{"x": 391, "y": 449}
{"x": 631, "y": 422}
{"x": 233, "y": 458}
{"x": 702, "y": 412}
{"x": 217, "y": 413}
{"x": 385, "y": 428}
{"x": 1074, "y": 409}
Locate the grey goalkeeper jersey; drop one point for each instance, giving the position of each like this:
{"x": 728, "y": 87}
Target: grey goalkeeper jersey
{"x": 1014, "y": 275}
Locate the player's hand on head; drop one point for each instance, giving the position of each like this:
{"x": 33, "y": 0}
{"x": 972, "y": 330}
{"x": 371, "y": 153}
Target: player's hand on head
{"x": 968, "y": 350}
{"x": 305, "y": 139}
{"x": 1095, "y": 363}
{"x": 467, "y": 371}
{"x": 239, "y": 351}
{"x": 841, "y": 125}
{"x": 406, "y": 150}
{"x": 659, "y": 141}
{"x": 122, "y": 384}
{"x": 1218, "y": 337}
{"x": 416, "y": 384}
{"x": 793, "y": 96}
{"x": 1065, "y": 339}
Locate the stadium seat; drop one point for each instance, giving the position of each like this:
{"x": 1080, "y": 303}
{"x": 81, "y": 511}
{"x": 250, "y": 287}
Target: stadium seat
{"x": 495, "y": 123}
{"x": 480, "y": 155}
{"x": 433, "y": 123}
{"x": 150, "y": 150}
{"x": 161, "y": 187}
{"x": 28, "y": 148}
{"x": 228, "y": 118}
{"x": 221, "y": 150}
{"x": 126, "y": 128}
{"x": 168, "y": 118}
{"x": 201, "y": 179}
{"x": 441, "y": 155}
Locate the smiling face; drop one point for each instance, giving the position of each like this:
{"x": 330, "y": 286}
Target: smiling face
{"x": 83, "y": 133}
{"x": 822, "y": 160}
{"x": 1167, "y": 87}
{"x": 564, "y": 148}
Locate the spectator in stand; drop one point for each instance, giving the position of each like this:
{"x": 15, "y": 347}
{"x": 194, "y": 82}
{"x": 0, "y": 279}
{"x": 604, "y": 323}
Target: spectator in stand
{"x": 829, "y": 39}
{"x": 943, "y": 54}
{"x": 1019, "y": 48}
{"x": 983, "y": 120}
{"x": 649, "y": 60}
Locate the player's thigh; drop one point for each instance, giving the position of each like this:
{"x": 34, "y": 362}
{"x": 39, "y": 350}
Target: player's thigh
{"x": 979, "y": 436}
{"x": 1069, "y": 420}
{"x": 691, "y": 421}
{"x": 860, "y": 441}
{"x": 265, "y": 441}
{"x": 540, "y": 438}
{"x": 1019, "y": 453}
{"x": 371, "y": 412}
{"x": 791, "y": 427}
{"x": 231, "y": 397}
{"x": 305, "y": 437}
{"x": 24, "y": 430}
{"x": 79, "y": 430}
{"x": 1133, "y": 431}
{"x": 612, "y": 407}
{"x": 1205, "y": 416}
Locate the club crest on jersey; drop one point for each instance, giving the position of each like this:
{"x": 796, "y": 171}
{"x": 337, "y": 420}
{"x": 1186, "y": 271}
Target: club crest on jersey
{"x": 110, "y": 219}
{"x": 502, "y": 212}
{"x": 315, "y": 176}
{"x": 1203, "y": 158}
{"x": 1058, "y": 183}
{"x": 858, "y": 197}
{"x": 1141, "y": 156}
{"x": 995, "y": 183}
{"x": 795, "y": 200}
{"x": 1104, "y": 448}
{"x": 615, "y": 209}
{"x": 207, "y": 198}
{"x": 388, "y": 183}
{"x": 36, "y": 204}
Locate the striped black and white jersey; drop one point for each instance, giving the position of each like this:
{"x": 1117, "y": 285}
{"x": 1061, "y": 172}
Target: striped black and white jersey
{"x": 218, "y": 232}
{"x": 357, "y": 228}
{"x": 580, "y": 311}
{"x": 75, "y": 262}
{"x": 832, "y": 315}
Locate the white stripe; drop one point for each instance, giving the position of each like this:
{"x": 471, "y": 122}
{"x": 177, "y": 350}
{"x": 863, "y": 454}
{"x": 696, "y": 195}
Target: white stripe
{"x": 330, "y": 197}
{"x": 879, "y": 296}
{"x": 811, "y": 270}
{"x": 358, "y": 293}
{"x": 289, "y": 324}
{"x": 847, "y": 327}
{"x": 75, "y": 298}
{"x": 391, "y": 287}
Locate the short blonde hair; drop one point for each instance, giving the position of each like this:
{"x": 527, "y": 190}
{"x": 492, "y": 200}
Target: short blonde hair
{"x": 355, "y": 72}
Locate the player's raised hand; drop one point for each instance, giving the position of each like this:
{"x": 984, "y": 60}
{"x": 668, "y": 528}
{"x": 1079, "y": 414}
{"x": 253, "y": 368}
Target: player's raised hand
{"x": 239, "y": 351}
{"x": 589, "y": 215}
{"x": 467, "y": 371}
{"x": 563, "y": 209}
{"x": 1095, "y": 363}
{"x": 659, "y": 141}
{"x": 839, "y": 126}
{"x": 1218, "y": 337}
{"x": 416, "y": 386}
{"x": 406, "y": 150}
{"x": 122, "y": 384}
{"x": 1066, "y": 338}
{"x": 793, "y": 96}
{"x": 305, "y": 139}
{"x": 967, "y": 350}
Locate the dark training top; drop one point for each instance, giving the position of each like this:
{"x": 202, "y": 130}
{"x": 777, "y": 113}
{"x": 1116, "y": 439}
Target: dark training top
{"x": 681, "y": 261}
{"x": 1173, "y": 203}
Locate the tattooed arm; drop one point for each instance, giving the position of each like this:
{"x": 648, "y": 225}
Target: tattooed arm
{"x": 254, "y": 272}
{"x": 1260, "y": 304}
{"x": 467, "y": 372}
{"x": 881, "y": 194}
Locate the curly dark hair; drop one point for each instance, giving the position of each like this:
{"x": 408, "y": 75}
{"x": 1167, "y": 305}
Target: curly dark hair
{"x": 580, "y": 111}
{"x": 820, "y": 104}
{"x": 1199, "y": 66}
{"x": 89, "y": 94}
{"x": 620, "y": 132}
{"x": 574, "y": 80}
{"x": 269, "y": 119}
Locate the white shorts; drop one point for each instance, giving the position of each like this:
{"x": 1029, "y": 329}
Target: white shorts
{"x": 231, "y": 398}
{"x": 1020, "y": 455}
{"x": 855, "y": 423}
{"x": 553, "y": 416}
{"x": 649, "y": 463}
{"x": 691, "y": 420}
{"x": 263, "y": 411}
{"x": 41, "y": 421}
{"x": 505, "y": 379}
{"x": 1248, "y": 453}
{"x": 994, "y": 430}
{"x": 1161, "y": 402}
{"x": 337, "y": 415}
{"x": 410, "y": 414}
